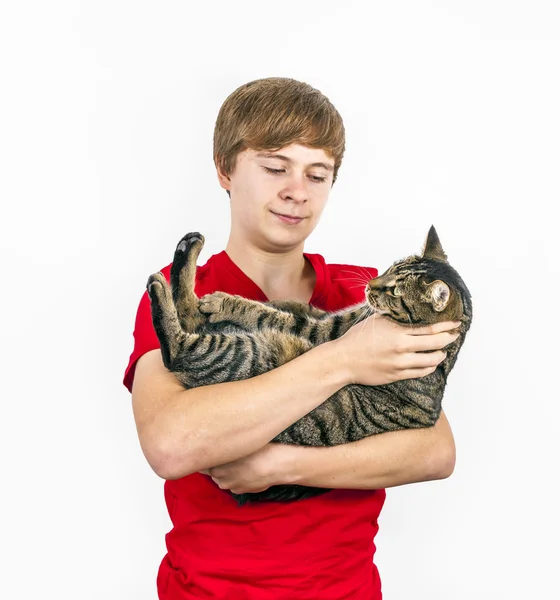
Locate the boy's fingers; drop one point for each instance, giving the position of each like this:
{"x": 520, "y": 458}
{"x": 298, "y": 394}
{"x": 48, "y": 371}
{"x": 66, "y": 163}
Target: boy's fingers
{"x": 435, "y": 328}
{"x": 433, "y": 342}
{"x": 432, "y": 359}
{"x": 416, "y": 373}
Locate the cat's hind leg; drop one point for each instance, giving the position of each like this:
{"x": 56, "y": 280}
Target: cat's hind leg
{"x": 182, "y": 278}
{"x": 164, "y": 318}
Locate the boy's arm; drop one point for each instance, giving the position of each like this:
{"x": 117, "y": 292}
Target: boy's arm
{"x": 184, "y": 431}
{"x": 379, "y": 461}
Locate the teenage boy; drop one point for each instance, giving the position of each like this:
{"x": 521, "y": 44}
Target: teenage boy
{"x": 278, "y": 145}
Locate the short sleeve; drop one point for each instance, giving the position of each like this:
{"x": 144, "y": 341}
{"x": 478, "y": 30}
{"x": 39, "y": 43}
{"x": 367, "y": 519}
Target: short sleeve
{"x": 145, "y": 338}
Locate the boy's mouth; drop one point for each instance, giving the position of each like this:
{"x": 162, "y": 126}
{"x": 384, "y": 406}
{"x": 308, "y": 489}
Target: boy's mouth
{"x": 288, "y": 218}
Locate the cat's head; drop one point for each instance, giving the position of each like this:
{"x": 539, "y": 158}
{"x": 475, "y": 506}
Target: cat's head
{"x": 422, "y": 290}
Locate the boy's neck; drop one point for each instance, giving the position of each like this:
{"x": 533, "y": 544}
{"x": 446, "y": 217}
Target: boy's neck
{"x": 287, "y": 276}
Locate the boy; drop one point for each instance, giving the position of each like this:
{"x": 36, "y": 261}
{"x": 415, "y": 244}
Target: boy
{"x": 278, "y": 145}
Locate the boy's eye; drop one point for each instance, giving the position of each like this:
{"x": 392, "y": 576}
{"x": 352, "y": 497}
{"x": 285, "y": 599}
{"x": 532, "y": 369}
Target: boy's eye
{"x": 314, "y": 178}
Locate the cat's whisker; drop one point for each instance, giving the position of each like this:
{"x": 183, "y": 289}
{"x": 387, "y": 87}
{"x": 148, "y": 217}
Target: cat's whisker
{"x": 355, "y": 276}
{"x": 359, "y": 285}
{"x": 353, "y": 273}
{"x": 374, "y": 323}
{"x": 361, "y": 328}
{"x": 366, "y": 274}
{"x": 355, "y": 285}
{"x": 359, "y": 318}
{"x": 369, "y": 312}
{"x": 356, "y": 320}
{"x": 358, "y": 279}
{"x": 368, "y": 309}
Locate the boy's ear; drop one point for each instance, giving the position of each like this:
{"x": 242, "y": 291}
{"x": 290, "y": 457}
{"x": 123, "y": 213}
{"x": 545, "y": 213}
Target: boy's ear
{"x": 223, "y": 179}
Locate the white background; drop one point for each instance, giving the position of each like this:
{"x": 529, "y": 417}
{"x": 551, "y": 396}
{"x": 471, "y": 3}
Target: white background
{"x": 107, "y": 114}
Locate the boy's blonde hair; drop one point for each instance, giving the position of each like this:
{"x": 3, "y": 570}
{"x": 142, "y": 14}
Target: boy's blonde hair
{"x": 268, "y": 114}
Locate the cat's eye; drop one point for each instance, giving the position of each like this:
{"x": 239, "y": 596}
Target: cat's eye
{"x": 397, "y": 291}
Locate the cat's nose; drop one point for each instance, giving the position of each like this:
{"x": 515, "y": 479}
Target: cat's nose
{"x": 378, "y": 283}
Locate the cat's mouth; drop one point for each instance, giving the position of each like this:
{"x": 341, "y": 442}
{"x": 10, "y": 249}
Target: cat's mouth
{"x": 371, "y": 301}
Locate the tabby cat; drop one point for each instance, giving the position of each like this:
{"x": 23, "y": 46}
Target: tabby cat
{"x": 221, "y": 337}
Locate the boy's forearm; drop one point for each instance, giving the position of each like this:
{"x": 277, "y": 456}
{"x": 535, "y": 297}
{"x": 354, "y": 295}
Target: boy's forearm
{"x": 217, "y": 424}
{"x": 379, "y": 461}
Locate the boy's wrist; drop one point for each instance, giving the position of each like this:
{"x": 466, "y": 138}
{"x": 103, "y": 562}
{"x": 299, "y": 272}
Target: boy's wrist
{"x": 290, "y": 464}
{"x": 336, "y": 357}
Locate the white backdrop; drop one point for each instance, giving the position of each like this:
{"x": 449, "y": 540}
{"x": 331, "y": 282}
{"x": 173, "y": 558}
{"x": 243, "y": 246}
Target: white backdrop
{"x": 107, "y": 113}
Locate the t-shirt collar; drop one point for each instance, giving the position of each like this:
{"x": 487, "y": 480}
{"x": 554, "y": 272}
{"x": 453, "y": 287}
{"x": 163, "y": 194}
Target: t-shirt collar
{"x": 223, "y": 260}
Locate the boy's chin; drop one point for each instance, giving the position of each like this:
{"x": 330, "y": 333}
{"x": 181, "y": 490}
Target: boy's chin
{"x": 283, "y": 239}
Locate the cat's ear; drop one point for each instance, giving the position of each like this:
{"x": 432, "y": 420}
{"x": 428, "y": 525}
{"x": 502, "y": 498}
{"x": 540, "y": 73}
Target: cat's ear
{"x": 433, "y": 247}
{"x": 438, "y": 294}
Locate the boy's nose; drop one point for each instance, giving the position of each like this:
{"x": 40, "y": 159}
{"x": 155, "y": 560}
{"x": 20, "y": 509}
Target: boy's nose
{"x": 295, "y": 190}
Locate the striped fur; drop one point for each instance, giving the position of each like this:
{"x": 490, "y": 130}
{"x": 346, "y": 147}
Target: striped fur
{"x": 222, "y": 338}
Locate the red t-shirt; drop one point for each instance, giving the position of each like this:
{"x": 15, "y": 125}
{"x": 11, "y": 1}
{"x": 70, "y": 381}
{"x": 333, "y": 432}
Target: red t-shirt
{"x": 320, "y": 548}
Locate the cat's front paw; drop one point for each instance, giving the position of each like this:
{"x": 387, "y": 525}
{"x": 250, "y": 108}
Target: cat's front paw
{"x": 216, "y": 306}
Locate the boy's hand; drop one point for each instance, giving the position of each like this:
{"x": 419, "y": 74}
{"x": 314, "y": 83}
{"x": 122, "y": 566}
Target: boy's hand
{"x": 378, "y": 351}
{"x": 253, "y": 473}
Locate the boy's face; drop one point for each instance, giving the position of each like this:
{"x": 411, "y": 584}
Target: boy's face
{"x": 267, "y": 189}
